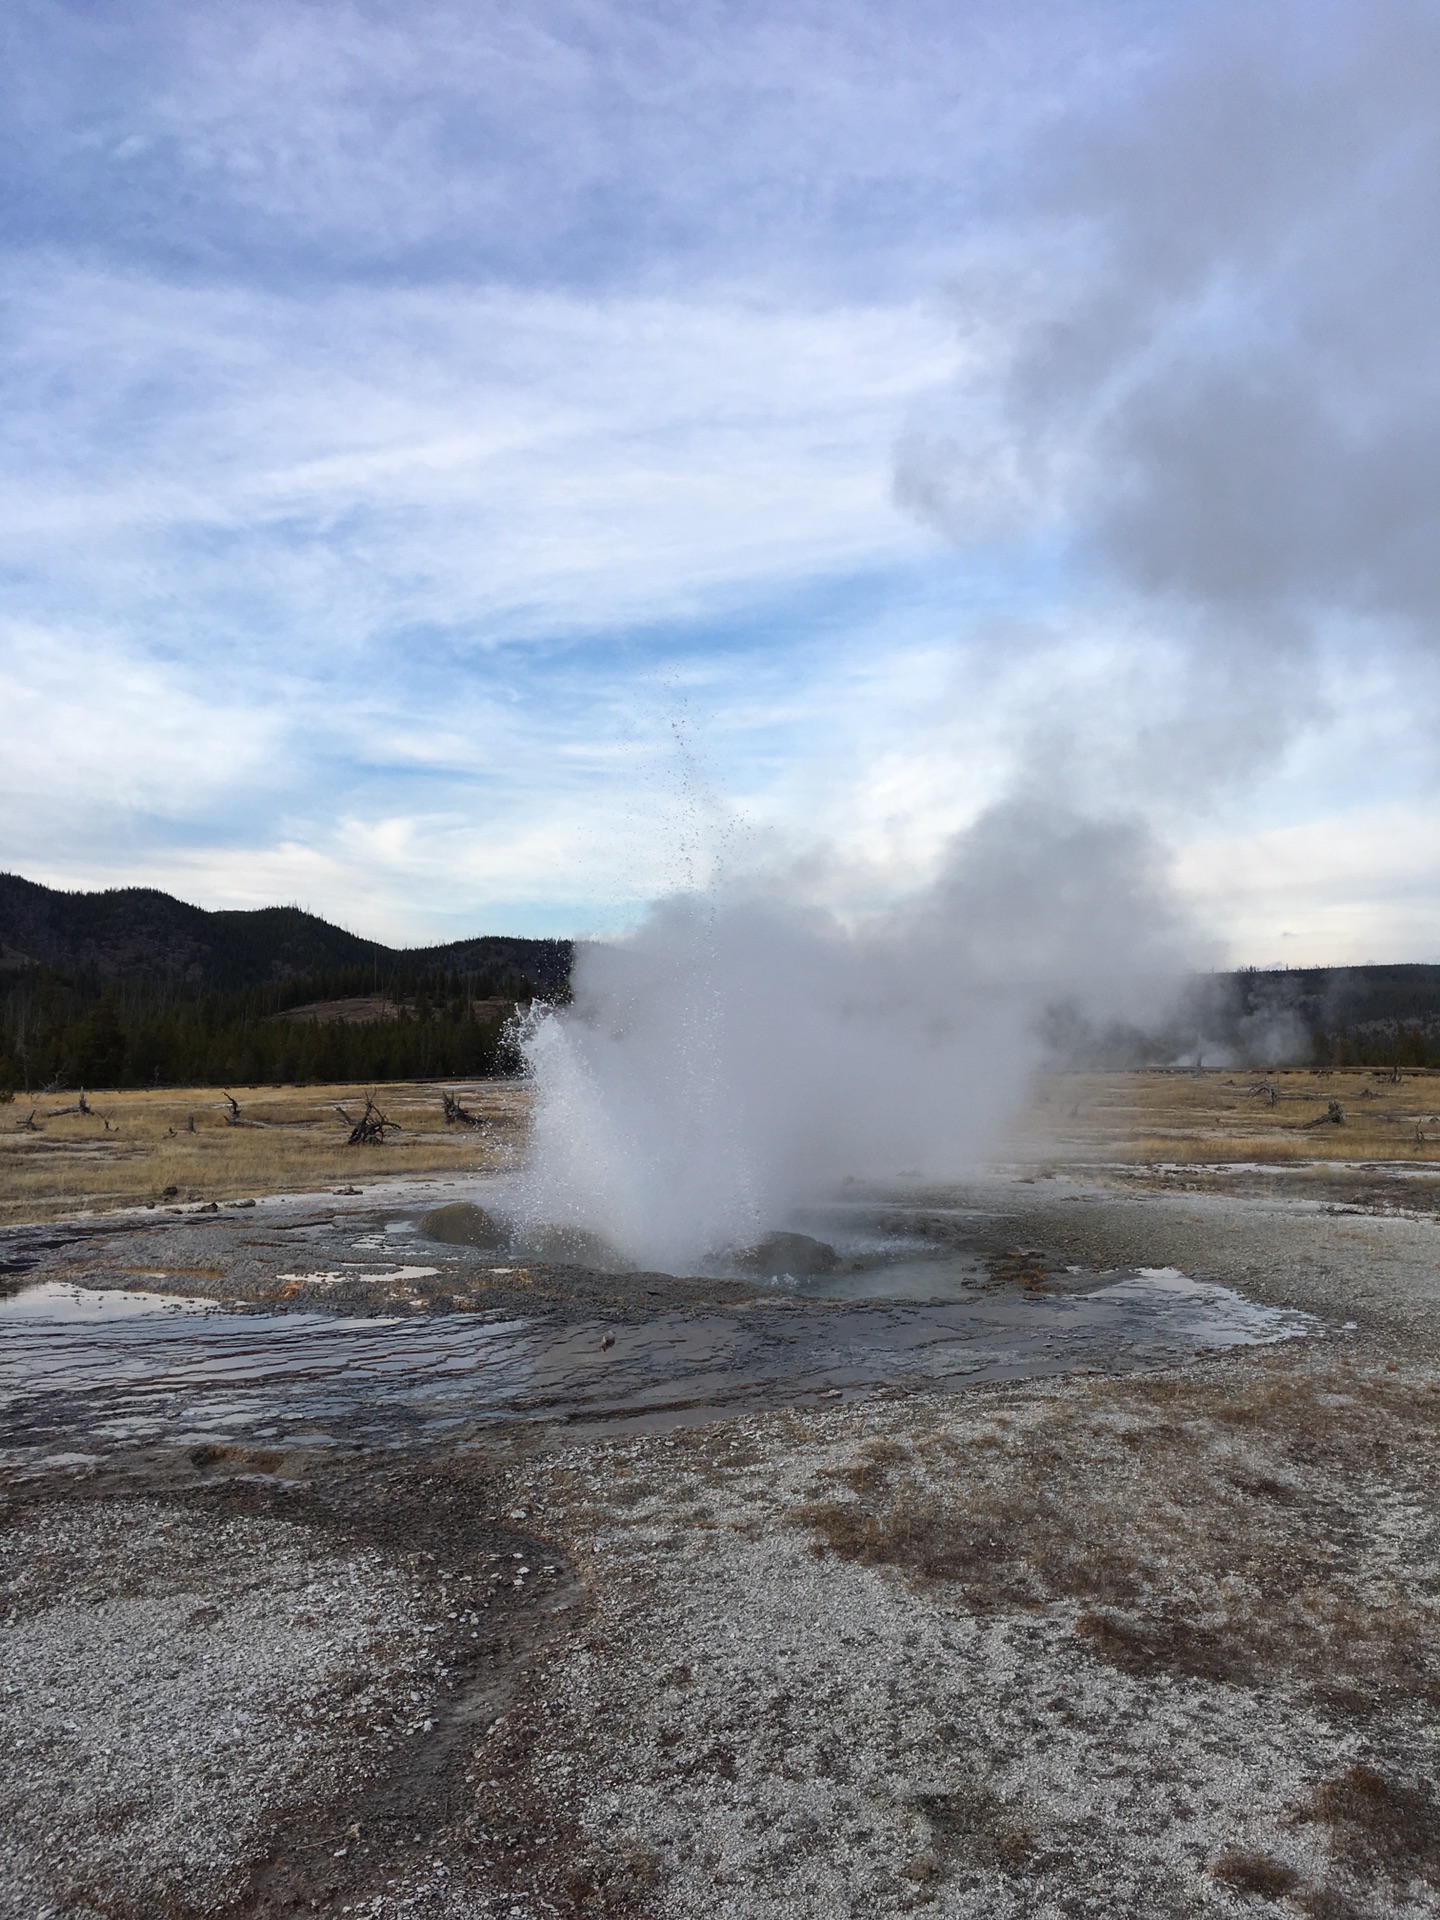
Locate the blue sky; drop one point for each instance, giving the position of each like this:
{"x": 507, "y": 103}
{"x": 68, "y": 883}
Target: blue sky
{"x": 473, "y": 467}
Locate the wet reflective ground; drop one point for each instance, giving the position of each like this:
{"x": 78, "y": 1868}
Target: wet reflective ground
{"x": 85, "y": 1371}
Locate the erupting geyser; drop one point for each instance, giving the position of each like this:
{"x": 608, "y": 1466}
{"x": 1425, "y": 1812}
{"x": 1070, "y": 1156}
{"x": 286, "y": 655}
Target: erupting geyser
{"x": 738, "y": 1056}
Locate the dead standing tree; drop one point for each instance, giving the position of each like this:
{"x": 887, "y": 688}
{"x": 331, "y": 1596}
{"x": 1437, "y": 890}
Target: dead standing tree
{"x": 371, "y": 1128}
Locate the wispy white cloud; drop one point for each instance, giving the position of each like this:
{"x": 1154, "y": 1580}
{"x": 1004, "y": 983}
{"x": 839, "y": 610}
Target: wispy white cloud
{"x": 556, "y": 142}
{"x": 499, "y": 464}
{"x": 91, "y": 727}
{"x": 449, "y": 460}
{"x": 1342, "y": 888}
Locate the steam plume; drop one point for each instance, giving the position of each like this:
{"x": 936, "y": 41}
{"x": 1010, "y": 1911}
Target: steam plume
{"x": 1224, "y": 397}
{"x": 738, "y": 1056}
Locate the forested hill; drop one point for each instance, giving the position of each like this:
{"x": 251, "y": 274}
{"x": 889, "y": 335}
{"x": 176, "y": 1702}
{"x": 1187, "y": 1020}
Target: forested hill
{"x": 1371, "y": 1016}
{"x": 1360, "y": 1016}
{"x": 138, "y": 934}
{"x": 134, "y": 988}
{"x": 1347, "y": 999}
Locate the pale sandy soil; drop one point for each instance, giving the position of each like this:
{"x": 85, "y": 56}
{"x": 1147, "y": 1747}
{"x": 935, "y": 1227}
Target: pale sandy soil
{"x": 1155, "y": 1645}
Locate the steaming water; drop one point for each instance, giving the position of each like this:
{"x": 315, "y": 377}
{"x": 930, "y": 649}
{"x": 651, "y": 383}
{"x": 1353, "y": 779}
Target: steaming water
{"x": 739, "y": 1057}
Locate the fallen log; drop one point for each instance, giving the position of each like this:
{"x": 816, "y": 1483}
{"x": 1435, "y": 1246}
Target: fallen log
{"x": 82, "y": 1105}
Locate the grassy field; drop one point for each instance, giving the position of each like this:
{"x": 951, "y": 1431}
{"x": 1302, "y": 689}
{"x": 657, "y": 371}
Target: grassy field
{"x": 134, "y": 1148}
{"x": 138, "y": 1148}
{"x": 1153, "y": 1118}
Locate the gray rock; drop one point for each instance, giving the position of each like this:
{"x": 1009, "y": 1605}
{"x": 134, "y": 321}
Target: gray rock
{"x": 794, "y": 1253}
{"x": 571, "y": 1247}
{"x": 462, "y": 1224}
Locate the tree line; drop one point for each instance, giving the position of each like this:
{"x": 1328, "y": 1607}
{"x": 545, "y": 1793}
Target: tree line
{"x": 58, "y": 1031}
{"x": 1401, "y": 1043}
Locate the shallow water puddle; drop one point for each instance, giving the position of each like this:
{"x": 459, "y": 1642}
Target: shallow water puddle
{"x": 335, "y": 1276}
{"x": 1211, "y": 1316}
{"x": 109, "y": 1374}
{"x": 62, "y": 1302}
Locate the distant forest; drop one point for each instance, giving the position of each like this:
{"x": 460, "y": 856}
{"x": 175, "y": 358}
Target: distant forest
{"x": 83, "y": 1031}
{"x": 78, "y": 1033}
{"x": 1322, "y": 1017}
{"x": 1374, "y": 1016}
{"x": 132, "y": 988}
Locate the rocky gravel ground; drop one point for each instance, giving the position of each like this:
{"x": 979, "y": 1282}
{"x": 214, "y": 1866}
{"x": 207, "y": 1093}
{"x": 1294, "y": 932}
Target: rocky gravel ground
{"x": 170, "y": 1679}
{"x": 1157, "y": 1647}
{"x": 1154, "y": 1644}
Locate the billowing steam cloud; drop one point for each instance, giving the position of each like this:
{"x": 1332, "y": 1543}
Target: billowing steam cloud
{"x": 1225, "y": 394}
{"x": 737, "y": 1055}
{"x": 1219, "y": 403}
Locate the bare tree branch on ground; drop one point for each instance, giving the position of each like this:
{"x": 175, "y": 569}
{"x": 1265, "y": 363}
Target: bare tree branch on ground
{"x": 82, "y": 1105}
{"x": 458, "y": 1116}
{"x": 371, "y": 1128}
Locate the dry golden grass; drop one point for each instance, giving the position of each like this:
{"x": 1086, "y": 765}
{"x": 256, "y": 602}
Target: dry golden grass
{"x": 1156, "y": 1118}
{"x": 77, "y": 1163}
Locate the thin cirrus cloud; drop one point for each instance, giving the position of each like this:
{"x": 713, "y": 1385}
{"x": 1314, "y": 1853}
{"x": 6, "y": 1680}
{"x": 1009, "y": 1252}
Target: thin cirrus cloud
{"x": 569, "y": 144}
{"x": 463, "y": 546}
{"x": 495, "y": 462}
{"x": 419, "y": 419}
